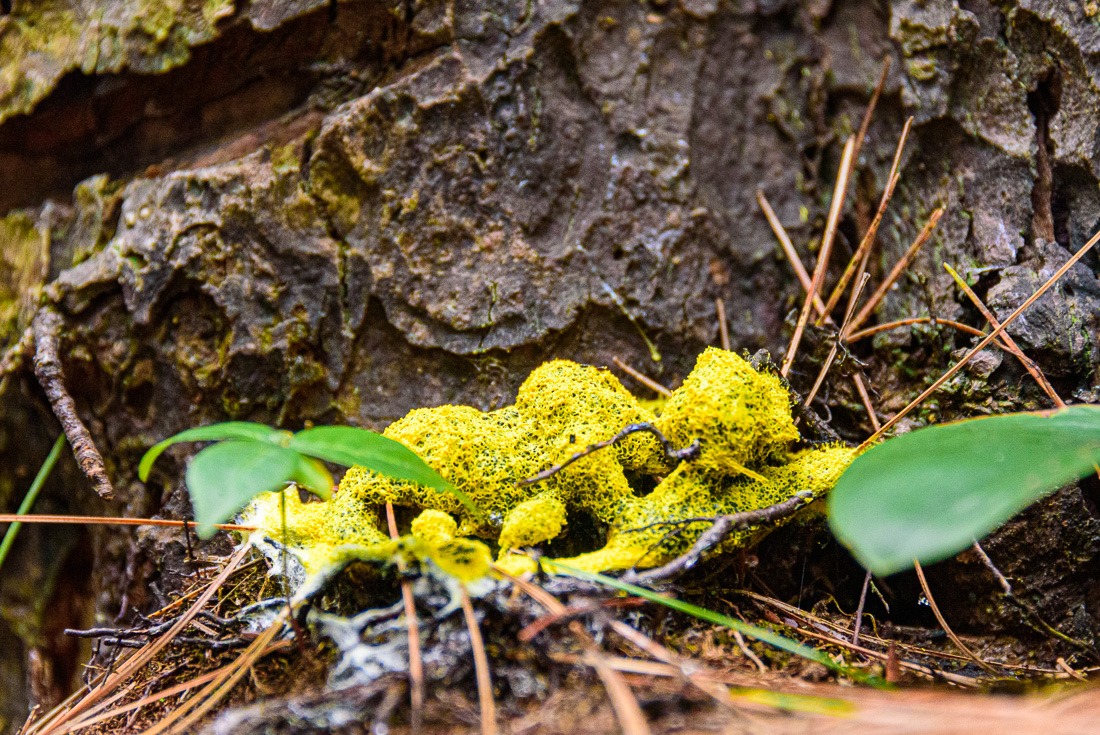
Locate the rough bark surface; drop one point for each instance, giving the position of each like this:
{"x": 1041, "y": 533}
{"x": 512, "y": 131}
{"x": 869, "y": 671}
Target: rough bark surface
{"x": 338, "y": 211}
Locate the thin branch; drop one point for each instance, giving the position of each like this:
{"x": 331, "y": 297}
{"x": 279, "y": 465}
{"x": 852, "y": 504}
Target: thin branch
{"x": 47, "y": 368}
{"x": 818, "y": 280}
{"x": 899, "y": 268}
{"x": 997, "y": 331}
{"x": 722, "y": 527}
{"x": 674, "y": 455}
{"x": 947, "y": 628}
{"x": 645, "y": 380}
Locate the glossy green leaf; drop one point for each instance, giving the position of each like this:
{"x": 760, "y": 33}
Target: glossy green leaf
{"x": 929, "y": 494}
{"x": 213, "y": 432}
{"x": 312, "y": 474}
{"x": 223, "y": 478}
{"x": 349, "y": 446}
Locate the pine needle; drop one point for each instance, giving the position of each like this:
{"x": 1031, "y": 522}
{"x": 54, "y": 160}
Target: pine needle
{"x": 985, "y": 342}
{"x": 481, "y": 668}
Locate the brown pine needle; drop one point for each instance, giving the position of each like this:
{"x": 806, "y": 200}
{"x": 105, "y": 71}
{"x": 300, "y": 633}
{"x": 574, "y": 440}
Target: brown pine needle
{"x": 416, "y": 660}
{"x": 788, "y": 249}
{"x": 642, "y": 378}
{"x": 947, "y": 628}
{"x": 899, "y": 268}
{"x": 818, "y": 279}
{"x": 887, "y": 326}
{"x": 146, "y": 654}
{"x": 1006, "y": 338}
{"x": 865, "y": 397}
{"x": 997, "y": 331}
{"x": 185, "y": 715}
{"x": 863, "y": 252}
{"x": 629, "y": 713}
{"x": 723, "y": 327}
{"x": 836, "y": 344}
{"x": 107, "y": 521}
{"x": 870, "y": 113}
{"x": 481, "y": 668}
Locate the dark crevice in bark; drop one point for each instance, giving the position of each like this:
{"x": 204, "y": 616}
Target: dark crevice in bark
{"x": 1044, "y": 102}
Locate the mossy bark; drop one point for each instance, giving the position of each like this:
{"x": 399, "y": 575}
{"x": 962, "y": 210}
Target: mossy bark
{"x": 338, "y": 211}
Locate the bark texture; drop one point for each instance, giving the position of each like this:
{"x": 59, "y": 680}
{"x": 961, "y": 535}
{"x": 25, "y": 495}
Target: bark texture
{"x": 338, "y": 211}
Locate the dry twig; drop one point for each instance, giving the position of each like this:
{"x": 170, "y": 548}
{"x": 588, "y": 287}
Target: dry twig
{"x": 47, "y": 368}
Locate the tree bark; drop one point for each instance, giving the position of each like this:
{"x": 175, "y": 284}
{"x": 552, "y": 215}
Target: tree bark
{"x": 334, "y": 212}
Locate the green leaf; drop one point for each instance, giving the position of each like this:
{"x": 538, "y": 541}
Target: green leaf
{"x": 223, "y": 478}
{"x": 213, "y": 432}
{"x": 312, "y": 474}
{"x": 929, "y": 494}
{"x": 761, "y": 634}
{"x": 349, "y": 446}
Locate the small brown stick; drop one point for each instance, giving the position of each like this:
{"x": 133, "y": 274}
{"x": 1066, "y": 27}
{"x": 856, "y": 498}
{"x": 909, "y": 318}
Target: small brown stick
{"x": 818, "y": 280}
{"x": 828, "y": 363}
{"x": 933, "y": 320}
{"x": 863, "y": 252}
{"x": 947, "y": 628}
{"x": 1009, "y": 342}
{"x": 899, "y": 268}
{"x": 723, "y": 327}
{"x": 859, "y": 609}
{"x": 416, "y": 661}
{"x": 674, "y": 455}
{"x": 47, "y": 368}
{"x": 722, "y": 527}
{"x": 788, "y": 249}
{"x": 645, "y": 380}
{"x": 865, "y": 397}
{"x": 481, "y": 668}
{"x": 997, "y": 331}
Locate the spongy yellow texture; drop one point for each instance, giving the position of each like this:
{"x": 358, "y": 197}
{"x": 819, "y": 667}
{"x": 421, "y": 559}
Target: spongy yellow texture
{"x": 747, "y": 460}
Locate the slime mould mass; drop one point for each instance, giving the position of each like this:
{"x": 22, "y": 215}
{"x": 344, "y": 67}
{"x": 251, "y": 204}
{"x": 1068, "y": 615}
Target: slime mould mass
{"x": 748, "y": 459}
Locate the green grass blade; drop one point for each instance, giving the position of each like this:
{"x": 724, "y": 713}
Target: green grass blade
{"x": 31, "y": 496}
{"x": 349, "y": 446}
{"x": 224, "y": 477}
{"x": 761, "y": 634}
{"x": 928, "y": 494}
{"x": 213, "y": 432}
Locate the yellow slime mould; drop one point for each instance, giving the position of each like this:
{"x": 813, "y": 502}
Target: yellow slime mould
{"x": 748, "y": 458}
